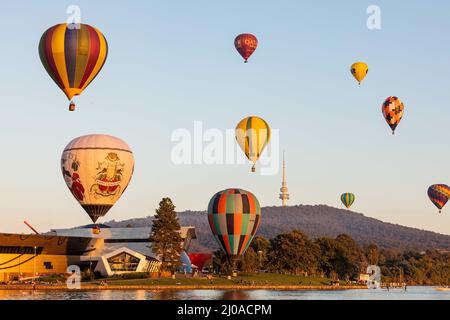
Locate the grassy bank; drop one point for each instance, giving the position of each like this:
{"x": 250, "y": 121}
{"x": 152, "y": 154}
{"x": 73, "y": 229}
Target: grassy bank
{"x": 242, "y": 279}
{"x": 242, "y": 282}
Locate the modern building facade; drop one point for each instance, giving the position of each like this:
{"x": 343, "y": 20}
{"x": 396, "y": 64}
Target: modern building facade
{"x": 29, "y": 255}
{"x": 122, "y": 250}
{"x": 111, "y": 251}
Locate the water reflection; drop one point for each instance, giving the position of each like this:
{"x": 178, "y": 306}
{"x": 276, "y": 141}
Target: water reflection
{"x": 165, "y": 295}
{"x": 235, "y": 295}
{"x": 423, "y": 293}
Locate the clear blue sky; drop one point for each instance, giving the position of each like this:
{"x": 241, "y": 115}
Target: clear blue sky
{"x": 173, "y": 62}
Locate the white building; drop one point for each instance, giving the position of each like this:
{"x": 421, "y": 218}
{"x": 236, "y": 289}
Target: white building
{"x": 121, "y": 250}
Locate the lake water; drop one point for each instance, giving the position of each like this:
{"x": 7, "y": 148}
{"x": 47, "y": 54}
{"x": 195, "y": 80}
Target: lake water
{"x": 413, "y": 293}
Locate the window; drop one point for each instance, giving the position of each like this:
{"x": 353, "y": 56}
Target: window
{"x": 123, "y": 262}
{"x": 20, "y": 250}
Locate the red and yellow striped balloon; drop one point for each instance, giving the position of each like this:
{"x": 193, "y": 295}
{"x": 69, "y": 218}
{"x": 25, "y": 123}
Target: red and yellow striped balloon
{"x": 73, "y": 55}
{"x": 439, "y": 195}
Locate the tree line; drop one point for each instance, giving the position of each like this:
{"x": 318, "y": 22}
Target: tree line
{"x": 339, "y": 258}
{"x": 294, "y": 253}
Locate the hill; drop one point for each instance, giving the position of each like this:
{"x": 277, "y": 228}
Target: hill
{"x": 316, "y": 221}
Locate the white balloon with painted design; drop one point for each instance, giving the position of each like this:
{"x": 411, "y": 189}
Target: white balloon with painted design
{"x": 97, "y": 169}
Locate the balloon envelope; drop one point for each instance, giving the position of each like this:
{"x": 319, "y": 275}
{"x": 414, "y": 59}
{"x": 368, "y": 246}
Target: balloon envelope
{"x": 439, "y": 195}
{"x": 245, "y": 44}
{"x": 234, "y": 216}
{"x": 252, "y": 135}
{"x": 392, "y": 109}
{"x": 359, "y": 71}
{"x": 73, "y": 56}
{"x": 348, "y": 199}
{"x": 97, "y": 169}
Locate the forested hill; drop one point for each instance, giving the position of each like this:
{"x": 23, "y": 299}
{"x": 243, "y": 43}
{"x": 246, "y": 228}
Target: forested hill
{"x": 316, "y": 221}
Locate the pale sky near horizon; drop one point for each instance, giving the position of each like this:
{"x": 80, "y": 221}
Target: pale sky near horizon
{"x": 171, "y": 63}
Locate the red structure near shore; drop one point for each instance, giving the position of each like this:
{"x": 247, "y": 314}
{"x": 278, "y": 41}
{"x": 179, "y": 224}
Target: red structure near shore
{"x": 200, "y": 259}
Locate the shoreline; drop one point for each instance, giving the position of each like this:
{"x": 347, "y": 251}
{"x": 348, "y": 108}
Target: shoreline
{"x": 181, "y": 287}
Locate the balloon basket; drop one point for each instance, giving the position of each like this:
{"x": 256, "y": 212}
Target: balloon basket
{"x": 72, "y": 106}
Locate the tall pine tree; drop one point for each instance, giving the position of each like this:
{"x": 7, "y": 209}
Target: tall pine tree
{"x": 165, "y": 237}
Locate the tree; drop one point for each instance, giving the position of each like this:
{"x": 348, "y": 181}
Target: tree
{"x": 165, "y": 236}
{"x": 334, "y": 259}
{"x": 372, "y": 254}
{"x": 221, "y": 263}
{"x": 293, "y": 253}
{"x": 249, "y": 261}
{"x": 260, "y": 246}
{"x": 354, "y": 254}
{"x": 328, "y": 249}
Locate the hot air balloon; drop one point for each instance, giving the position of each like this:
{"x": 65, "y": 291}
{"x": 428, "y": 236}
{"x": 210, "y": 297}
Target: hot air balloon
{"x": 97, "y": 169}
{"x": 359, "y": 71}
{"x": 73, "y": 56}
{"x": 439, "y": 195}
{"x": 348, "y": 199}
{"x": 245, "y": 44}
{"x": 392, "y": 109}
{"x": 234, "y": 216}
{"x": 252, "y": 135}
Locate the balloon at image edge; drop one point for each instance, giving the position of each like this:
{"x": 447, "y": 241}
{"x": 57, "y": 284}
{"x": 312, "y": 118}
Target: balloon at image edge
{"x": 252, "y": 135}
{"x": 347, "y": 199}
{"x": 234, "y": 216}
{"x": 73, "y": 56}
{"x": 439, "y": 195}
{"x": 359, "y": 71}
{"x": 246, "y": 44}
{"x": 392, "y": 110}
{"x": 97, "y": 169}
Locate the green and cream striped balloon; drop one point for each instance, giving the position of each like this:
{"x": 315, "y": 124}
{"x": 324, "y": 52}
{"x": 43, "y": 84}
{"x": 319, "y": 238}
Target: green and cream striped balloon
{"x": 348, "y": 199}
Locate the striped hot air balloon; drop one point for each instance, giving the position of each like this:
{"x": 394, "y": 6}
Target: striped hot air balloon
{"x": 439, "y": 195}
{"x": 245, "y": 44}
{"x": 234, "y": 216}
{"x": 348, "y": 199}
{"x": 392, "y": 109}
{"x": 73, "y": 56}
{"x": 252, "y": 135}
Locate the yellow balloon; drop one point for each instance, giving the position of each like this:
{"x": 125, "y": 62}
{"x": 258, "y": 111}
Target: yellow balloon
{"x": 359, "y": 71}
{"x": 252, "y": 135}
